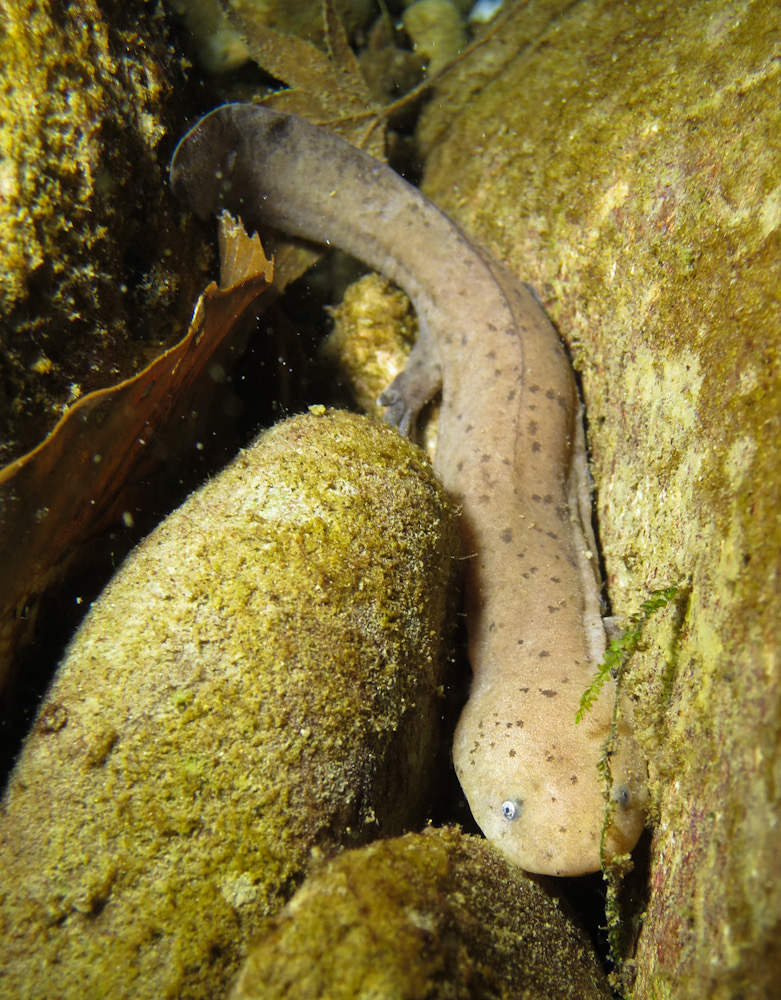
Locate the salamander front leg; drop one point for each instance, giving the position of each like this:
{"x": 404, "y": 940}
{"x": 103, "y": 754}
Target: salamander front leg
{"x": 417, "y": 385}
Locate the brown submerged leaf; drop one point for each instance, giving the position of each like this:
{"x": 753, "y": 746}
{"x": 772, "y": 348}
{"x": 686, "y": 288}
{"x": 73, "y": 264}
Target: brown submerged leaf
{"x": 328, "y": 88}
{"x": 88, "y": 471}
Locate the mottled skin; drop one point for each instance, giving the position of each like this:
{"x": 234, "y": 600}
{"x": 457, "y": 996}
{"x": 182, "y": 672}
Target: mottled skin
{"x": 510, "y": 452}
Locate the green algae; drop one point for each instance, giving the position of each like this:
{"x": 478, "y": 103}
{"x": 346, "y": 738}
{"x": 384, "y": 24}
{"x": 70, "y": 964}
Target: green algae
{"x": 626, "y": 162}
{"x": 97, "y": 274}
{"x": 436, "y": 914}
{"x": 262, "y": 680}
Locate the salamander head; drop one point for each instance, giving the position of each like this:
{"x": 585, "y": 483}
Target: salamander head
{"x": 540, "y": 798}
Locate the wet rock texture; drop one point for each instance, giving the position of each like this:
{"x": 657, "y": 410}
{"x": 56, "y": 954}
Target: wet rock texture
{"x": 626, "y": 160}
{"x": 98, "y": 273}
{"x": 436, "y": 914}
{"x": 261, "y": 680}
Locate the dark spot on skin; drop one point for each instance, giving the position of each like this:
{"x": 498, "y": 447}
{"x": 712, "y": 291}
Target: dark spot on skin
{"x": 506, "y": 536}
{"x": 555, "y": 579}
{"x": 550, "y": 757}
{"x": 492, "y": 626}
{"x": 523, "y": 691}
{"x": 533, "y": 427}
{"x": 550, "y": 394}
{"x": 469, "y": 428}
{"x": 547, "y": 693}
{"x": 485, "y": 458}
{"x": 519, "y": 723}
{"x": 573, "y": 780}
{"x": 536, "y": 497}
{"x": 534, "y": 388}
{"x": 543, "y": 654}
{"x": 460, "y": 466}
{"x": 562, "y": 513}
{"x": 536, "y": 446}
{"x": 511, "y": 753}
{"x": 547, "y": 499}
{"x": 553, "y": 535}
{"x": 552, "y": 610}
{"x": 491, "y": 355}
{"x": 508, "y": 725}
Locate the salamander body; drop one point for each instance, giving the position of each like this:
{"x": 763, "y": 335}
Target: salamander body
{"x": 511, "y": 454}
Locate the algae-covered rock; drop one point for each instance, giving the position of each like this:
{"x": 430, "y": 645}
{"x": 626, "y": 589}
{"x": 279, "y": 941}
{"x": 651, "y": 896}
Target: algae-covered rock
{"x": 374, "y": 328}
{"x": 437, "y": 30}
{"x": 261, "y": 679}
{"x": 627, "y": 162}
{"x": 436, "y": 914}
{"x": 97, "y": 273}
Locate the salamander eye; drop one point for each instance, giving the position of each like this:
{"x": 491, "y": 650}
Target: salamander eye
{"x": 621, "y": 795}
{"x": 511, "y": 809}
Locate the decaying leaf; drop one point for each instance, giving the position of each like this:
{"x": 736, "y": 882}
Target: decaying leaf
{"x": 88, "y": 471}
{"x": 328, "y": 88}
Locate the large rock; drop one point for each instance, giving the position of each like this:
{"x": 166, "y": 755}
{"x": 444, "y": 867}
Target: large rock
{"x": 262, "y": 679}
{"x": 98, "y": 275}
{"x": 435, "y": 914}
{"x": 627, "y": 162}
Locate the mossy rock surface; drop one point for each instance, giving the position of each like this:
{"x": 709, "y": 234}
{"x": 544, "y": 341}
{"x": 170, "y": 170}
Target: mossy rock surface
{"x": 99, "y": 275}
{"x": 262, "y": 679}
{"x": 626, "y": 161}
{"x": 438, "y": 914}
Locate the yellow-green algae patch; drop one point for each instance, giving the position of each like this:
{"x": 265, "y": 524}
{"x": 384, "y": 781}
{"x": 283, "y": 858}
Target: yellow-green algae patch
{"x": 437, "y": 914}
{"x": 373, "y": 333}
{"x": 261, "y": 679}
{"x": 374, "y": 328}
{"x": 627, "y": 162}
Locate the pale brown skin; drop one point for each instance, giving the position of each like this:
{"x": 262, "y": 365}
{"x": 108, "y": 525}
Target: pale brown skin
{"x": 510, "y": 452}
